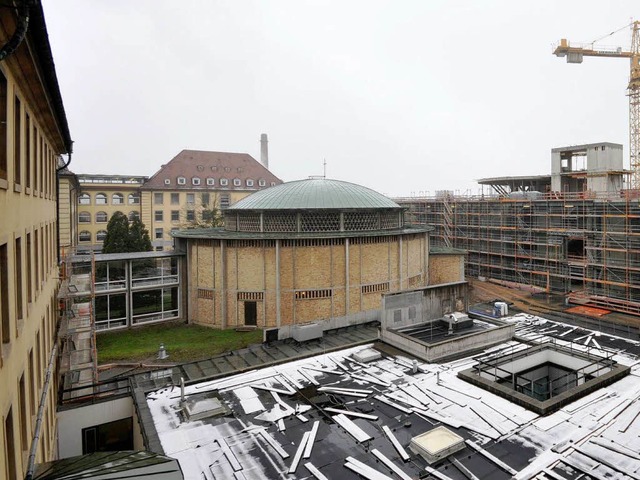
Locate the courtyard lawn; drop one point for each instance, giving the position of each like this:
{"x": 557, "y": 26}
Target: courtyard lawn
{"x": 183, "y": 343}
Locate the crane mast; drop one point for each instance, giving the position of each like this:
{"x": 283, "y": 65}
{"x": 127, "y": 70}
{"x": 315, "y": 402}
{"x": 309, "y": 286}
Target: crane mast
{"x": 574, "y": 53}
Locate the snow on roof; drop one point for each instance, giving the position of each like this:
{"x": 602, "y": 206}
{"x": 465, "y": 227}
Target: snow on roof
{"x": 270, "y": 432}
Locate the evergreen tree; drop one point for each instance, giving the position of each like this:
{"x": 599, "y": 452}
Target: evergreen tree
{"x": 117, "y": 238}
{"x": 123, "y": 237}
{"x": 139, "y": 240}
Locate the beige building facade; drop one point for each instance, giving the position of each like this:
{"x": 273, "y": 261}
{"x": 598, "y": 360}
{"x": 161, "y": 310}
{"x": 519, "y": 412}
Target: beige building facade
{"x": 33, "y": 134}
{"x": 302, "y": 252}
{"x": 182, "y": 194}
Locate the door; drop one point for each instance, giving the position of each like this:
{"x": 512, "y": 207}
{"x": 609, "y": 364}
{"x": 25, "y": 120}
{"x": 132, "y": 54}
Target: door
{"x": 250, "y": 313}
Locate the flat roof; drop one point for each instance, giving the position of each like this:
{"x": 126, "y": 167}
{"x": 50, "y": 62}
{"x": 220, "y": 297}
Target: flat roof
{"x": 277, "y": 408}
{"x": 104, "y": 257}
{"x": 516, "y": 179}
{"x": 585, "y": 146}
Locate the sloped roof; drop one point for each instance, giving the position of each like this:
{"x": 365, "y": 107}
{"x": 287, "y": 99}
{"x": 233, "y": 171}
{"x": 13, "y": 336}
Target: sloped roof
{"x": 111, "y": 465}
{"x": 216, "y": 165}
{"x": 315, "y": 193}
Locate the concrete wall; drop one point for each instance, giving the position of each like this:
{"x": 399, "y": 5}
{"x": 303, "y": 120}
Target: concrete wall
{"x": 451, "y": 347}
{"x": 73, "y": 420}
{"x": 417, "y": 306}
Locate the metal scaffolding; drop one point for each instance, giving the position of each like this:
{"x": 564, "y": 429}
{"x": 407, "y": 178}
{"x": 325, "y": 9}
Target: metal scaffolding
{"x": 78, "y": 355}
{"x": 585, "y": 246}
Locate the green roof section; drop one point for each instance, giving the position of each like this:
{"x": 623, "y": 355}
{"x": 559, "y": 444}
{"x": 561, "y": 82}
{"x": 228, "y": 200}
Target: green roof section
{"x": 315, "y": 193}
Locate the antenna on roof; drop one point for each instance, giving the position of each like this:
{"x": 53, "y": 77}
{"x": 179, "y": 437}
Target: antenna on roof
{"x": 324, "y": 165}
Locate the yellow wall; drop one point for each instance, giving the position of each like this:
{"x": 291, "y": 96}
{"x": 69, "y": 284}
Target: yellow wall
{"x": 28, "y": 310}
{"x": 446, "y": 268}
{"x": 308, "y": 269}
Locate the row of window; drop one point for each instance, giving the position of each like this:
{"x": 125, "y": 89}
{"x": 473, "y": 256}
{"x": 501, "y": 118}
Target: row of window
{"x": 224, "y": 182}
{"x": 85, "y": 235}
{"x": 102, "y": 217}
{"x": 205, "y": 199}
{"x": 102, "y": 199}
{"x": 30, "y": 148}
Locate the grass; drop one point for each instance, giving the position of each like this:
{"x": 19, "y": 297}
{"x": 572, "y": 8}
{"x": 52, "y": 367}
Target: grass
{"x": 183, "y": 343}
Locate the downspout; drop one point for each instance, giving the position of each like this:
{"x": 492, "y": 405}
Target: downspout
{"x": 21, "y": 30}
{"x": 58, "y": 204}
{"x": 43, "y": 400}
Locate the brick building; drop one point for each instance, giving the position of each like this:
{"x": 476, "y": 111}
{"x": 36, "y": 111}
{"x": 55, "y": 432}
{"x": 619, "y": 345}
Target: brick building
{"x": 299, "y": 252}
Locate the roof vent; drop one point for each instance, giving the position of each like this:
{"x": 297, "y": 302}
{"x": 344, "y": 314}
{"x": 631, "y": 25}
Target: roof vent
{"x": 436, "y": 444}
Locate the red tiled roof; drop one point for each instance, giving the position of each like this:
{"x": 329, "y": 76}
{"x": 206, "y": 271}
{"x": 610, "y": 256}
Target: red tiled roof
{"x": 216, "y": 165}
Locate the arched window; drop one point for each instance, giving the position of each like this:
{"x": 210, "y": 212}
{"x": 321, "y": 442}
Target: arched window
{"x": 100, "y": 236}
{"x": 84, "y": 236}
{"x": 224, "y": 182}
{"x": 84, "y": 217}
{"x": 249, "y": 182}
{"x": 101, "y": 199}
{"x": 134, "y": 198}
{"x": 117, "y": 199}
{"x": 195, "y": 181}
{"x": 133, "y": 214}
{"x": 84, "y": 199}
{"x": 237, "y": 182}
{"x": 101, "y": 217}
{"x": 262, "y": 182}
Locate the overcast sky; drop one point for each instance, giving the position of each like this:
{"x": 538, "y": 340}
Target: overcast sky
{"x": 404, "y": 97}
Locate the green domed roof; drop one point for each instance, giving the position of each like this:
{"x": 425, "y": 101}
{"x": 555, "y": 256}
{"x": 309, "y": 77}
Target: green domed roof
{"x": 315, "y": 193}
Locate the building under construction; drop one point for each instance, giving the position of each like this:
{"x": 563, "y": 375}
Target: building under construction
{"x": 576, "y": 231}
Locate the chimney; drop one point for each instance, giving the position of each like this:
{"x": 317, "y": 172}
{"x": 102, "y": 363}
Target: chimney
{"x": 264, "y": 150}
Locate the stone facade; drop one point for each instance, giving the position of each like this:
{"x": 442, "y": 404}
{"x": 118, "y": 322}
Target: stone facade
{"x": 283, "y": 282}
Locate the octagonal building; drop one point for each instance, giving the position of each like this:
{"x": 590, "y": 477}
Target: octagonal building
{"x": 315, "y": 250}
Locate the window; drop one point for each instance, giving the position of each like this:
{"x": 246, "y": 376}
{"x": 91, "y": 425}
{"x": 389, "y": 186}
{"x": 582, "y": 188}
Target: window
{"x": 206, "y": 198}
{"x": 195, "y": 181}
{"x": 5, "y": 323}
{"x": 159, "y": 248}
{"x": 224, "y": 182}
{"x": 237, "y": 182}
{"x": 182, "y": 181}
{"x": 191, "y": 198}
{"x": 84, "y": 236}
{"x": 17, "y": 142}
{"x": 3, "y": 127}
{"x": 175, "y": 199}
{"x": 18, "y": 277}
{"x": 133, "y": 215}
{"x": 224, "y": 200}
{"x": 84, "y": 217}
{"x": 167, "y": 181}
{"x": 214, "y": 168}
{"x": 191, "y": 215}
{"x": 273, "y": 184}
{"x": 159, "y": 233}
{"x": 211, "y": 181}
{"x": 101, "y": 199}
{"x": 175, "y": 215}
{"x": 101, "y": 217}
{"x": 84, "y": 199}
{"x": 158, "y": 216}
{"x": 249, "y": 182}
{"x": 313, "y": 294}
{"x": 27, "y": 149}
{"x": 262, "y": 183}
{"x": 117, "y": 199}
{"x": 158, "y": 198}
{"x": 101, "y": 235}
{"x": 134, "y": 198}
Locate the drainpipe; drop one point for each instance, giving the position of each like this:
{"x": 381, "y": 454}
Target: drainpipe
{"x": 43, "y": 400}
{"x": 58, "y": 205}
{"x": 21, "y": 30}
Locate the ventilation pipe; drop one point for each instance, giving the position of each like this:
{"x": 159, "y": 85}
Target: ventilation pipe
{"x": 264, "y": 150}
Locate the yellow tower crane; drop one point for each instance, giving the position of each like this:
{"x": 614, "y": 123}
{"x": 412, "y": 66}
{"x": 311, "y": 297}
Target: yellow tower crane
{"x": 574, "y": 54}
